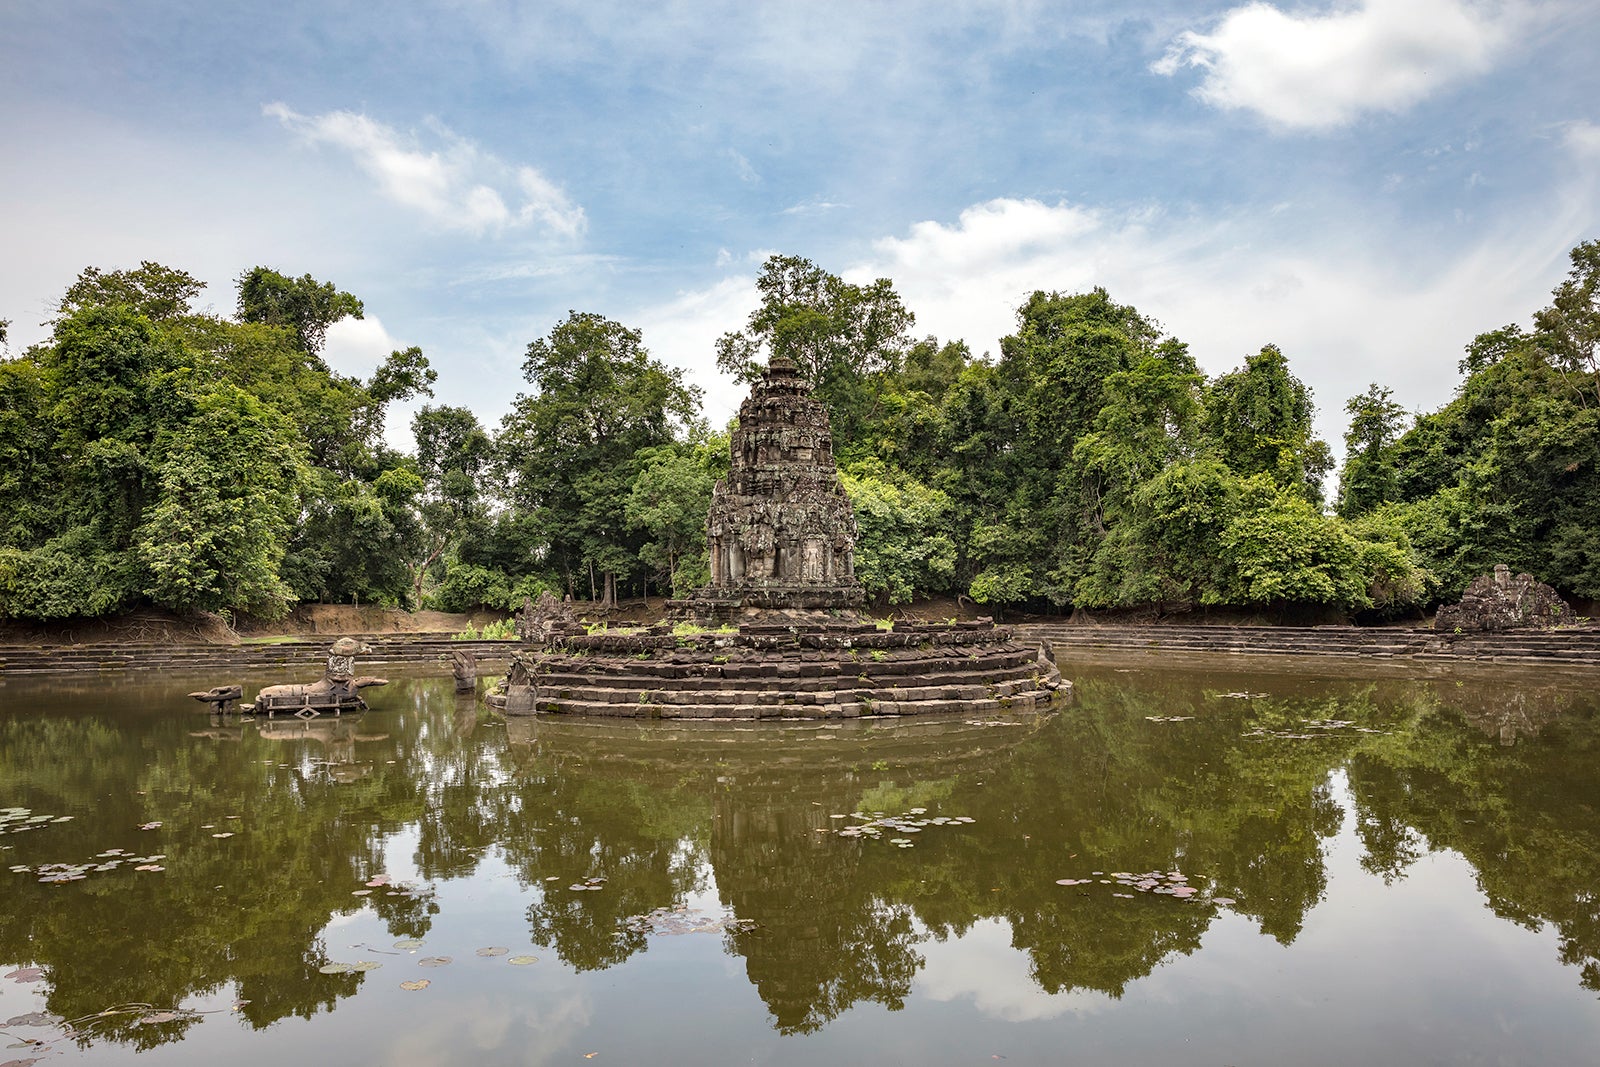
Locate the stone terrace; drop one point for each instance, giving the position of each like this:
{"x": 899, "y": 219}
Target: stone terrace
{"x": 1575, "y": 648}
{"x": 303, "y": 653}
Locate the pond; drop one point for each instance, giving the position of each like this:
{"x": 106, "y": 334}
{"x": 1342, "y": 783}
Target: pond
{"x": 1180, "y": 865}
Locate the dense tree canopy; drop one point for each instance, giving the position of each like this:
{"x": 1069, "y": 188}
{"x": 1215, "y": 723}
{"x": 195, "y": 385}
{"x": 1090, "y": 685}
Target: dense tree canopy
{"x": 150, "y": 455}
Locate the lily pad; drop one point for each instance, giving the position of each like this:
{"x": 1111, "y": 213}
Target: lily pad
{"x": 416, "y": 983}
{"x": 336, "y": 968}
{"x": 408, "y": 943}
{"x": 26, "y": 974}
{"x": 365, "y": 965}
{"x": 433, "y": 961}
{"x": 522, "y": 961}
{"x": 493, "y": 950}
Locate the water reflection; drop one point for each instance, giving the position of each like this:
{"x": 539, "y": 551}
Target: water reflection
{"x": 1235, "y": 783}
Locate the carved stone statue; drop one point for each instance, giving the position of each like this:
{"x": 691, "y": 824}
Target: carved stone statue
{"x": 339, "y": 689}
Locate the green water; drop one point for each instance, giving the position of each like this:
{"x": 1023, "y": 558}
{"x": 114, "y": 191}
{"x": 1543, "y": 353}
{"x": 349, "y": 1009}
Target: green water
{"x": 1352, "y": 871}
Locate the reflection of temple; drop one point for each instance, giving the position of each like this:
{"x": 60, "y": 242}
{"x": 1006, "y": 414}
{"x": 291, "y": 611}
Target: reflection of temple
{"x": 781, "y": 530}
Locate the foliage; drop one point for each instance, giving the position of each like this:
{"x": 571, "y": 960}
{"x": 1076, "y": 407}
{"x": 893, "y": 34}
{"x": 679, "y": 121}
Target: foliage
{"x": 904, "y": 547}
{"x": 846, "y": 339}
{"x": 571, "y": 448}
{"x": 153, "y": 456}
{"x": 502, "y": 630}
{"x": 1509, "y": 470}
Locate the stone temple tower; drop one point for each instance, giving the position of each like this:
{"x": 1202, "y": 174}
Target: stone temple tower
{"x": 781, "y": 530}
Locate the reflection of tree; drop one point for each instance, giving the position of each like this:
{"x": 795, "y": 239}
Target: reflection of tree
{"x": 1524, "y": 816}
{"x": 244, "y": 910}
{"x": 825, "y": 938}
{"x": 1237, "y": 796}
{"x": 571, "y": 814}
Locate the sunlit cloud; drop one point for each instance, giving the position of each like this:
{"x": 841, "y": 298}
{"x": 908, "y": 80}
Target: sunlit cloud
{"x": 456, "y": 185}
{"x": 1321, "y": 70}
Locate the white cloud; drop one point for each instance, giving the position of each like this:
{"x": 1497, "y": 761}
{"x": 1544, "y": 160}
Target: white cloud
{"x": 458, "y": 186}
{"x": 815, "y": 205}
{"x": 358, "y": 346}
{"x": 1313, "y": 70}
{"x": 1583, "y": 139}
{"x": 683, "y": 332}
{"x": 743, "y": 167}
{"x": 1346, "y": 310}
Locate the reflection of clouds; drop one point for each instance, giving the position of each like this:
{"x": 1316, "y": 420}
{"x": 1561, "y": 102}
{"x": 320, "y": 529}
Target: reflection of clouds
{"x": 981, "y": 966}
{"x": 492, "y": 1024}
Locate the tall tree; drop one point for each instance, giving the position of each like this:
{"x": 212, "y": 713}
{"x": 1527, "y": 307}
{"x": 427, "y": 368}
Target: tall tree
{"x": 303, "y": 305}
{"x": 845, "y": 338}
{"x": 1258, "y": 421}
{"x": 571, "y": 447}
{"x": 1369, "y": 477}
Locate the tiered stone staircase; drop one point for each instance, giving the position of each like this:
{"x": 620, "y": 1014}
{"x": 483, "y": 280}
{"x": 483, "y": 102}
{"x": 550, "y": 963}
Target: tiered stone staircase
{"x": 1577, "y": 647}
{"x": 831, "y": 685}
{"x": 308, "y": 655}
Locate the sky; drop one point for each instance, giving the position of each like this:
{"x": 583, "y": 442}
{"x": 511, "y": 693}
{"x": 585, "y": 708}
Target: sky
{"x": 1367, "y": 184}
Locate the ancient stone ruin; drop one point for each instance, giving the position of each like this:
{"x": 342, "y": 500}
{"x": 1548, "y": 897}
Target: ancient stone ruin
{"x": 781, "y": 532}
{"x": 777, "y": 633}
{"x": 1497, "y": 601}
{"x": 339, "y": 689}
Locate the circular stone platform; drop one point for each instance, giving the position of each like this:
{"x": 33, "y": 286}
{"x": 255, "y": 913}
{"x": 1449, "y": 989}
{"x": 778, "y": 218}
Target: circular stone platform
{"x": 774, "y": 670}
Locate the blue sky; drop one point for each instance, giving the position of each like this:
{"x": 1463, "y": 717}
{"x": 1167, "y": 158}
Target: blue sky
{"x": 1367, "y": 184}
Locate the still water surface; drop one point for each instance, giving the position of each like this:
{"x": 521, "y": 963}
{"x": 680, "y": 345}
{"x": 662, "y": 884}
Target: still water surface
{"x": 1349, "y": 870}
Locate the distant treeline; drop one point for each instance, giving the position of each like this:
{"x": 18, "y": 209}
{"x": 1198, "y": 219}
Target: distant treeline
{"x": 152, "y": 456}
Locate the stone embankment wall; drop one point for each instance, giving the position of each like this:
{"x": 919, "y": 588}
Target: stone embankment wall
{"x": 302, "y": 656}
{"x": 1575, "y": 648}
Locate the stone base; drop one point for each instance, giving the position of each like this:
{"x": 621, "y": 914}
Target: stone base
{"x": 775, "y": 670}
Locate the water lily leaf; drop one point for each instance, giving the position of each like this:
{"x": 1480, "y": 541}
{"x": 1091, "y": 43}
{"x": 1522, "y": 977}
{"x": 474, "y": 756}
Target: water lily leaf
{"x": 159, "y": 1017}
{"x": 522, "y": 961}
{"x": 225, "y": 833}
{"x": 26, "y": 974}
{"x": 365, "y": 965}
{"x": 150, "y": 826}
{"x": 336, "y": 968}
{"x": 416, "y": 983}
{"x": 33, "y": 1018}
{"x": 408, "y": 943}
{"x": 493, "y": 950}
{"x": 361, "y": 892}
{"x": 433, "y": 961}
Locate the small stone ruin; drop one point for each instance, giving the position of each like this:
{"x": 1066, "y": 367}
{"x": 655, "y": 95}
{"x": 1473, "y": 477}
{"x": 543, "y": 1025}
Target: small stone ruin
{"x": 777, "y": 633}
{"x": 1495, "y": 602}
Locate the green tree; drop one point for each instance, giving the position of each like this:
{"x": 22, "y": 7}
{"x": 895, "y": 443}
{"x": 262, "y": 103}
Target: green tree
{"x": 1258, "y": 421}
{"x": 904, "y": 548}
{"x": 571, "y": 447}
{"x": 159, "y": 293}
{"x": 454, "y": 454}
{"x": 301, "y": 305}
{"x": 846, "y": 339}
{"x": 1369, "y": 476}
{"x": 669, "y": 501}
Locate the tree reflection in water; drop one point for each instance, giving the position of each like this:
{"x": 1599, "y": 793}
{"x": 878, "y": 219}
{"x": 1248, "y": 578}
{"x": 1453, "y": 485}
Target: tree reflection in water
{"x": 1228, "y": 780}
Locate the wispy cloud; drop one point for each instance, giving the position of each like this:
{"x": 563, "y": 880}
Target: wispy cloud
{"x": 815, "y": 205}
{"x": 742, "y": 167}
{"x": 456, "y": 185}
{"x": 1318, "y": 71}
